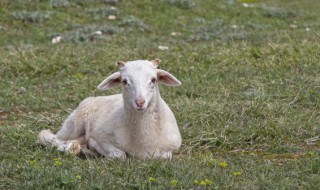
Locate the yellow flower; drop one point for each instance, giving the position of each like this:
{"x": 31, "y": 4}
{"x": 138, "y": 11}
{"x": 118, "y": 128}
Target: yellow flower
{"x": 223, "y": 164}
{"x": 151, "y": 179}
{"x": 78, "y": 177}
{"x": 195, "y": 182}
{"x": 32, "y": 162}
{"x": 208, "y": 182}
{"x": 236, "y": 173}
{"x": 57, "y": 162}
{"x": 78, "y": 75}
{"x": 311, "y": 153}
{"x": 173, "y": 183}
{"x": 203, "y": 183}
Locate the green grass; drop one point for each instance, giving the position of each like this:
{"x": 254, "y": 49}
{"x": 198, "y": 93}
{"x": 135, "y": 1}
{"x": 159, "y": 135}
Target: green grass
{"x": 250, "y": 93}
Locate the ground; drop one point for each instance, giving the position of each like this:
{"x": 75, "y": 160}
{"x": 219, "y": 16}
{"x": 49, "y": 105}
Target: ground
{"x": 248, "y": 107}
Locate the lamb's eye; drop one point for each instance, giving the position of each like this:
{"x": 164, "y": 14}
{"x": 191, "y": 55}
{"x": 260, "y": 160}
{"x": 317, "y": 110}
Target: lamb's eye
{"x": 124, "y": 82}
{"x": 153, "y": 80}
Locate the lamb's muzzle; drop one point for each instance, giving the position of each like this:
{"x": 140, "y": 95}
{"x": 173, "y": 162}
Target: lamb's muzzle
{"x": 140, "y": 102}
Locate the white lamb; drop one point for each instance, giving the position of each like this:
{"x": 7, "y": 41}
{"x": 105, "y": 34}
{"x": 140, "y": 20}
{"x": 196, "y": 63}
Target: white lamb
{"x": 136, "y": 123}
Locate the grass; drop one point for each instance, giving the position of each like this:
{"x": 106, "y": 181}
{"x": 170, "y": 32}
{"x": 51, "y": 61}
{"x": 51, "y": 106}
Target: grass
{"x": 247, "y": 107}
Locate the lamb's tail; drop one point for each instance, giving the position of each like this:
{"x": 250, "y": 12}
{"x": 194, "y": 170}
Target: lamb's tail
{"x": 47, "y": 138}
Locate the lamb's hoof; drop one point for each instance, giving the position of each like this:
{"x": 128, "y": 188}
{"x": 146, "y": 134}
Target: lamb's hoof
{"x": 73, "y": 147}
{"x": 117, "y": 154}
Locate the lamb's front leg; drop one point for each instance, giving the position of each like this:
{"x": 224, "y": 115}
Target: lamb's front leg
{"x": 106, "y": 149}
{"x": 47, "y": 138}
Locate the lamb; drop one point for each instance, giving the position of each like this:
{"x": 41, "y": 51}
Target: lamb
{"x": 137, "y": 123}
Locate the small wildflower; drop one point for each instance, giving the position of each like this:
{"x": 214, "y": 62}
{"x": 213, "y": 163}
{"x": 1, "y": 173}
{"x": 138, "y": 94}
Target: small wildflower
{"x": 234, "y": 26}
{"x": 113, "y": 8}
{"x": 311, "y": 153}
{"x": 163, "y": 47}
{"x": 223, "y": 164}
{"x": 151, "y": 179}
{"x": 236, "y": 173}
{"x": 56, "y": 40}
{"x": 112, "y": 17}
{"x": 32, "y": 162}
{"x": 175, "y": 33}
{"x": 293, "y": 26}
{"x": 57, "y": 162}
{"x": 173, "y": 183}
{"x": 78, "y": 75}
{"x": 78, "y": 177}
{"x": 195, "y": 182}
{"x": 203, "y": 183}
{"x": 97, "y": 33}
{"x": 208, "y": 182}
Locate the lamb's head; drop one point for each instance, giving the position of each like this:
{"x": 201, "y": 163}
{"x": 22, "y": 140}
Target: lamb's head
{"x": 139, "y": 79}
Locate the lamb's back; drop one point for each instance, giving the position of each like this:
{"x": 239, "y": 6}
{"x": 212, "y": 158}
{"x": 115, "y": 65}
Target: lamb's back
{"x": 92, "y": 109}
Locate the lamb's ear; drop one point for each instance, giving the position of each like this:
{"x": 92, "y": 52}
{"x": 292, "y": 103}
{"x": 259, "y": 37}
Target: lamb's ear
{"x": 166, "y": 78}
{"x": 121, "y": 63}
{"x": 110, "y": 82}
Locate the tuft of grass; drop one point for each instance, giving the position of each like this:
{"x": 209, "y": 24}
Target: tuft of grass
{"x": 103, "y": 12}
{"x": 110, "y": 2}
{"x": 90, "y": 33}
{"x": 218, "y": 30}
{"x": 134, "y": 22}
{"x": 273, "y": 12}
{"x": 185, "y": 4}
{"x": 59, "y": 3}
{"x": 32, "y": 16}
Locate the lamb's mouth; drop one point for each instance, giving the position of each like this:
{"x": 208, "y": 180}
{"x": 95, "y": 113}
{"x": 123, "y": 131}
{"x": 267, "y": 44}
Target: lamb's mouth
{"x": 140, "y": 109}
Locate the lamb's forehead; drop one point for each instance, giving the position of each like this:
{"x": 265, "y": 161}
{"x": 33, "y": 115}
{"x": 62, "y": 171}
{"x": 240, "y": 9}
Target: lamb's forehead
{"x": 138, "y": 66}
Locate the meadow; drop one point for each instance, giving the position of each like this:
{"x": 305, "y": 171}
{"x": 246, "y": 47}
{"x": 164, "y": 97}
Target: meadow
{"x": 248, "y": 108}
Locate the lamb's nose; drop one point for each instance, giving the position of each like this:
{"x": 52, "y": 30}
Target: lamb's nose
{"x": 140, "y": 101}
